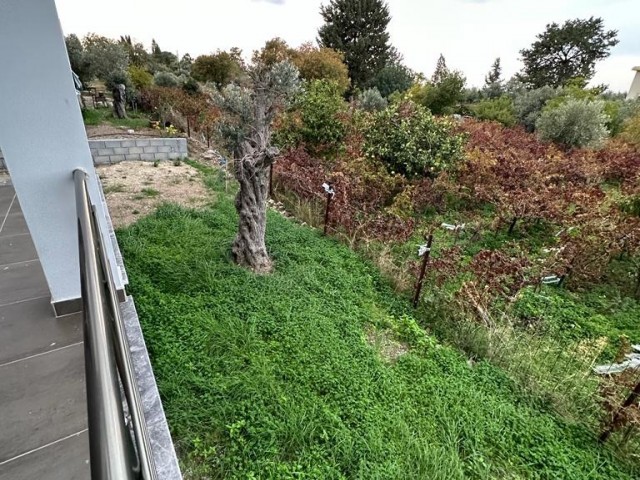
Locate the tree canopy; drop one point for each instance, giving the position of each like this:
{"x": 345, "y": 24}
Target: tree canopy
{"x": 493, "y": 85}
{"x": 565, "y": 52}
{"x": 358, "y": 28}
{"x": 220, "y": 68}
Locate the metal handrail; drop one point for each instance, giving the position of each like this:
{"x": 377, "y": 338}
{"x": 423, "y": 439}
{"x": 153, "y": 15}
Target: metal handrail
{"x": 115, "y": 453}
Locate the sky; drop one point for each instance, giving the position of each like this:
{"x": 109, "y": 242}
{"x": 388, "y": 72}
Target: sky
{"x": 469, "y": 33}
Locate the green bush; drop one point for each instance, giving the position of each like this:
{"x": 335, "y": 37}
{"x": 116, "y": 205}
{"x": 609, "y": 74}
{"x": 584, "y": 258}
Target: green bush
{"x": 631, "y": 132}
{"x": 140, "y": 78}
{"x": 620, "y": 113}
{"x": 528, "y": 105}
{"x": 371, "y": 101}
{"x": 575, "y": 123}
{"x": 314, "y": 119}
{"x": 498, "y": 110}
{"x": 441, "y": 97}
{"x": 165, "y": 79}
{"x": 393, "y": 78}
{"x": 409, "y": 140}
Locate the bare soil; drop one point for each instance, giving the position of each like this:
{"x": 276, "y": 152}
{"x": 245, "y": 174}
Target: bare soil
{"x": 136, "y": 189}
{"x": 106, "y": 131}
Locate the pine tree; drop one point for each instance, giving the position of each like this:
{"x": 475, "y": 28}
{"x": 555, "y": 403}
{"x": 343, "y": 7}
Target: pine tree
{"x": 493, "y": 86}
{"x": 441, "y": 72}
{"x": 565, "y": 52}
{"x": 358, "y": 28}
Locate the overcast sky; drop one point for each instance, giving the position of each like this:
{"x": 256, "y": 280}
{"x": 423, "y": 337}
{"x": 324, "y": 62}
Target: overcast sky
{"x": 470, "y": 33}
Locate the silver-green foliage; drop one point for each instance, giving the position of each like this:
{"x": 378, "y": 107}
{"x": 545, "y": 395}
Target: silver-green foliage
{"x": 371, "y": 100}
{"x": 528, "y": 105}
{"x": 575, "y": 123}
{"x": 166, "y": 79}
{"x": 249, "y": 109}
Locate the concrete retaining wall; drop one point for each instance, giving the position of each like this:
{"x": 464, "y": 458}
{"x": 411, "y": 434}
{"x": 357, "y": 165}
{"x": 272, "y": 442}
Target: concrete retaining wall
{"x": 105, "y": 152}
{"x": 145, "y": 149}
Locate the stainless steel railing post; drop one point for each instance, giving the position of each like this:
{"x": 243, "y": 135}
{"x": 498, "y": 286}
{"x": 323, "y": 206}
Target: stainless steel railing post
{"x": 109, "y": 440}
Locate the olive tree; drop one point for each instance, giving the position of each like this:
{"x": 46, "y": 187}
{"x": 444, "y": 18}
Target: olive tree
{"x": 249, "y": 111}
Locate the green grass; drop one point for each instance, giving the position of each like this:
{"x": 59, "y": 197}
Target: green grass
{"x": 273, "y": 376}
{"x": 149, "y": 192}
{"x": 101, "y": 116}
{"x": 115, "y": 188}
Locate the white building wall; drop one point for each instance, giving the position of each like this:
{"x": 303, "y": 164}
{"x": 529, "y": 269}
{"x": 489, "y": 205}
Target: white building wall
{"x": 42, "y": 137}
{"x": 634, "y": 91}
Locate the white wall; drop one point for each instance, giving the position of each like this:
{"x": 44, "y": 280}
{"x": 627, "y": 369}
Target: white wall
{"x": 634, "y": 91}
{"x": 42, "y": 137}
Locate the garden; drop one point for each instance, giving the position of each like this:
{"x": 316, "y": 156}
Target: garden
{"x": 427, "y": 280}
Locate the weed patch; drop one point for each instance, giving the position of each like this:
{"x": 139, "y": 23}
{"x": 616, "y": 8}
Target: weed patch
{"x": 274, "y": 376}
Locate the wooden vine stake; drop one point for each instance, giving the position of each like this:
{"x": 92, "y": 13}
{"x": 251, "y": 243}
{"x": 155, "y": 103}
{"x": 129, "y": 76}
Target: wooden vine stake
{"x": 271, "y": 181}
{"x": 425, "y": 252}
{"x": 328, "y": 188}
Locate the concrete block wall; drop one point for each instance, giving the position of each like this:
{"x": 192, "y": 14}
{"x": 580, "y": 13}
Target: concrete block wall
{"x": 110, "y": 151}
{"x": 105, "y": 152}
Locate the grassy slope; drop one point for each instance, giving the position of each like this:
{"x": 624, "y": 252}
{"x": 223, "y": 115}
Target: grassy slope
{"x": 272, "y": 377}
{"x": 99, "y": 116}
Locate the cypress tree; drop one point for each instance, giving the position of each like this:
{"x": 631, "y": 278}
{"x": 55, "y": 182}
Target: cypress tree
{"x": 358, "y": 28}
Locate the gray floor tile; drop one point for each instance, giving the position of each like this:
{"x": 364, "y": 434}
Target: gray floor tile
{"x": 6, "y": 191}
{"x": 14, "y": 224}
{"x": 17, "y": 248}
{"x": 23, "y": 281}
{"x": 43, "y": 400}
{"x": 64, "y": 460}
{"x": 5, "y": 202}
{"x": 29, "y": 328}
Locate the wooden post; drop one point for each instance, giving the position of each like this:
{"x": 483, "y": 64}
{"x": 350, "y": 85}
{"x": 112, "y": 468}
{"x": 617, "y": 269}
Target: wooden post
{"x": 423, "y": 270}
{"x": 271, "y": 181}
{"x": 326, "y": 212}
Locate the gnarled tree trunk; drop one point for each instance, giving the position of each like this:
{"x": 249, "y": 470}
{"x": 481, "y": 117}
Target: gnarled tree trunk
{"x": 249, "y": 249}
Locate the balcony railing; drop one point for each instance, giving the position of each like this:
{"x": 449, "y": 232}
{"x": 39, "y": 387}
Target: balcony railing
{"x": 119, "y": 443}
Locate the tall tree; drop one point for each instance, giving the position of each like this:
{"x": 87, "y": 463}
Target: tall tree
{"x": 249, "y": 113}
{"x": 321, "y": 64}
{"x": 493, "y": 85}
{"x": 441, "y": 72}
{"x": 394, "y": 77}
{"x": 565, "y": 52}
{"x": 77, "y": 58}
{"x": 443, "y": 92}
{"x": 104, "y": 56}
{"x": 358, "y": 28}
{"x": 138, "y": 56}
{"x": 220, "y": 68}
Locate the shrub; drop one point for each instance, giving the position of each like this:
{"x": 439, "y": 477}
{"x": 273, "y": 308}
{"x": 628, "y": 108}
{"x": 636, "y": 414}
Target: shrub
{"x": 393, "y": 78}
{"x": 140, "y": 78}
{"x": 575, "y": 123}
{"x": 321, "y": 64}
{"x": 371, "y": 101}
{"x": 498, "y": 110}
{"x": 440, "y": 97}
{"x": 165, "y": 79}
{"x": 191, "y": 86}
{"x": 620, "y": 112}
{"x": 409, "y": 140}
{"x": 631, "y": 132}
{"x": 314, "y": 119}
{"x": 528, "y": 105}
